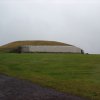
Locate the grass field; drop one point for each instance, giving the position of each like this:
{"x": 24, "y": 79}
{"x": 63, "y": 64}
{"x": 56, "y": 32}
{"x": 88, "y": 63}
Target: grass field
{"x": 71, "y": 73}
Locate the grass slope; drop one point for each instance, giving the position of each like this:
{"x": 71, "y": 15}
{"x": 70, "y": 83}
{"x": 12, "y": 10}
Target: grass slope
{"x": 71, "y": 73}
{"x": 16, "y": 44}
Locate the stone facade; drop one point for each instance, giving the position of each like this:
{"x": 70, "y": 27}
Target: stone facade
{"x": 52, "y": 49}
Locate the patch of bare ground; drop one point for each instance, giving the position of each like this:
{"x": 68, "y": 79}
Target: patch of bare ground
{"x": 15, "y": 89}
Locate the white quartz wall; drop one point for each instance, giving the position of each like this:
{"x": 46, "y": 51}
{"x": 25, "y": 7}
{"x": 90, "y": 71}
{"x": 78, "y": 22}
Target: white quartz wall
{"x": 64, "y": 49}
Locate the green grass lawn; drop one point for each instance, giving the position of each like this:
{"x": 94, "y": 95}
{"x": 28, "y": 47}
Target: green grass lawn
{"x": 71, "y": 73}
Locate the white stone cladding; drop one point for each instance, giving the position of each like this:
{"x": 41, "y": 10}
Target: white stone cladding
{"x": 55, "y": 49}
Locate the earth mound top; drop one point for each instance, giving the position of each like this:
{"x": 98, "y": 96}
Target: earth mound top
{"x": 16, "y": 44}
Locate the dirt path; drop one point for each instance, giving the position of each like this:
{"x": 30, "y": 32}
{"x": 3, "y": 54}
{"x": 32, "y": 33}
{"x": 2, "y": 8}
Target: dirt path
{"x": 14, "y": 89}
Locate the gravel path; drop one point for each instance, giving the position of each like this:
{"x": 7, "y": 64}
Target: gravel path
{"x": 15, "y": 89}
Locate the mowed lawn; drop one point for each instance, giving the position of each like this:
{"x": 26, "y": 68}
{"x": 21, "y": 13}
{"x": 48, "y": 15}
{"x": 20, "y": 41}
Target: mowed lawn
{"x": 70, "y": 73}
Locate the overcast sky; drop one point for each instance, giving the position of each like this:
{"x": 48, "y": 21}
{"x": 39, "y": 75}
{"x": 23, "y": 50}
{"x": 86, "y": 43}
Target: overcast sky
{"x": 76, "y": 22}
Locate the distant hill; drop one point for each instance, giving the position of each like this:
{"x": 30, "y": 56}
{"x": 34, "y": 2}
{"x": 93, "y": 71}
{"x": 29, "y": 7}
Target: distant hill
{"x": 10, "y": 46}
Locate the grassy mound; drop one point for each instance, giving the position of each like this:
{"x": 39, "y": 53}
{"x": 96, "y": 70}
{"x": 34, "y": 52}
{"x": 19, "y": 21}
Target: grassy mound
{"x": 8, "y": 47}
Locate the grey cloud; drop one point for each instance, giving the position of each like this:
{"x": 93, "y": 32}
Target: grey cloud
{"x": 70, "y": 21}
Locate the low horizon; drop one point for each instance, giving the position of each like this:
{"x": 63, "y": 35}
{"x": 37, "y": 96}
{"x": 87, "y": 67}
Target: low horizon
{"x": 43, "y": 41}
